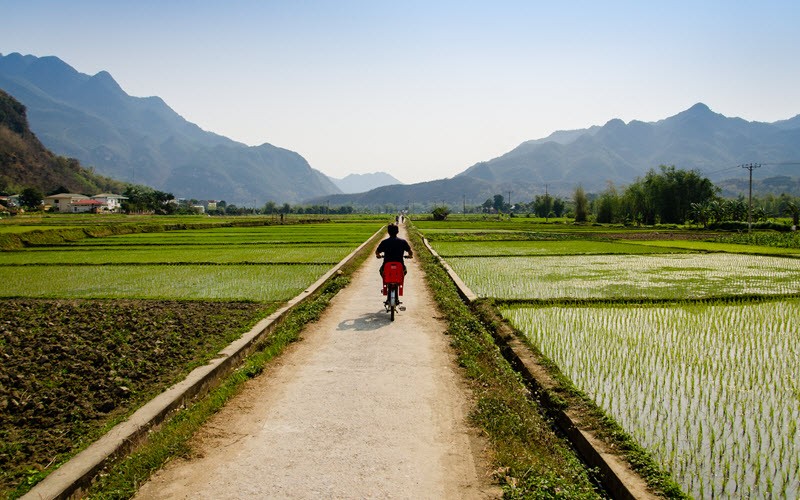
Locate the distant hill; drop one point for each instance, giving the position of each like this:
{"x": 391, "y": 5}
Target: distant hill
{"x": 143, "y": 140}
{"x": 616, "y": 152}
{"x": 359, "y": 183}
{"x": 25, "y": 162}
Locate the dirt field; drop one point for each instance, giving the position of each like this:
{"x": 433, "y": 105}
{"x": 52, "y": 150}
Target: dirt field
{"x": 69, "y": 366}
{"x": 360, "y": 408}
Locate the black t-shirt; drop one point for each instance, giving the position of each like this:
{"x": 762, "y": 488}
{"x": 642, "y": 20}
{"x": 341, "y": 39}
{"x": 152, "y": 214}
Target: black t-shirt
{"x": 393, "y": 249}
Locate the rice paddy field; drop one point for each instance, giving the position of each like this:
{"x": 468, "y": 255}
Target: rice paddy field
{"x": 91, "y": 328}
{"x": 270, "y": 263}
{"x": 693, "y": 347}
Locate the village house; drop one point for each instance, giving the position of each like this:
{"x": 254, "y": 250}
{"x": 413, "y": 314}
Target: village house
{"x": 62, "y": 202}
{"x": 79, "y": 203}
{"x": 112, "y": 202}
{"x": 87, "y": 205}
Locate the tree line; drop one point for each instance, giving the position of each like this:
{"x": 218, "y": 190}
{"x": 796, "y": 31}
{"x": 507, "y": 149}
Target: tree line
{"x": 664, "y": 196}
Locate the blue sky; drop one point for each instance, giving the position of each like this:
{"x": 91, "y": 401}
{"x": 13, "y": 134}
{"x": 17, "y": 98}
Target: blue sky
{"x": 423, "y": 89}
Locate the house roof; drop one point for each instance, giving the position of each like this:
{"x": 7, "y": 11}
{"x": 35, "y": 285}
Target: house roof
{"x": 110, "y": 195}
{"x": 61, "y": 196}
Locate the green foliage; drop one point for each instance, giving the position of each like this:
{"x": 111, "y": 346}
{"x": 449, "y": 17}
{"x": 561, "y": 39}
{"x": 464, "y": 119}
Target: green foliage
{"x": 440, "y": 213}
{"x": 31, "y": 199}
{"x": 667, "y": 197}
{"x": 769, "y": 239}
{"x": 581, "y": 205}
{"x": 142, "y": 199}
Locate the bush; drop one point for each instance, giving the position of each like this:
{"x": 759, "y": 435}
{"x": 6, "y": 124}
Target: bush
{"x": 440, "y": 213}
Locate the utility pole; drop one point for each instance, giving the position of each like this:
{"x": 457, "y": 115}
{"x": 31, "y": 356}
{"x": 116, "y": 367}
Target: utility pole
{"x": 509, "y": 202}
{"x": 750, "y": 167}
{"x": 464, "y": 199}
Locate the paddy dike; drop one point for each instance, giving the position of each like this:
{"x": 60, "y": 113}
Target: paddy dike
{"x": 361, "y": 407}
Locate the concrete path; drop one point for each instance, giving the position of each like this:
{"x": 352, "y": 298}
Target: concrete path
{"x": 360, "y": 408}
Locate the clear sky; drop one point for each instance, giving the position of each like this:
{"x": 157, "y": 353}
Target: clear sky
{"x": 423, "y": 89}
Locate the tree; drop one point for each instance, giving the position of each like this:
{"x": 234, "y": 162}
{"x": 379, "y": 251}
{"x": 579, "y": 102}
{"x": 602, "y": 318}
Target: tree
{"x": 667, "y": 197}
{"x": 498, "y": 203}
{"x": 543, "y": 205}
{"x": 145, "y": 199}
{"x": 440, "y": 213}
{"x": 607, "y": 206}
{"x": 581, "y": 205}
{"x": 558, "y": 207}
{"x": 31, "y": 198}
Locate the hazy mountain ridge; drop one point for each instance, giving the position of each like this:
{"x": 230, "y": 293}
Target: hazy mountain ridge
{"x": 141, "y": 139}
{"x": 619, "y": 152}
{"x": 359, "y": 183}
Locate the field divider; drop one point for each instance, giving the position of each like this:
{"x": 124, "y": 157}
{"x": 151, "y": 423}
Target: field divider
{"x": 71, "y": 479}
{"x": 617, "y": 476}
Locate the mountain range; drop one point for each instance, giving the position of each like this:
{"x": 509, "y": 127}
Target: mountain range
{"x": 143, "y": 140}
{"x": 618, "y": 153}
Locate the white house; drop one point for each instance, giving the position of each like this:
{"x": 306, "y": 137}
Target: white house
{"x": 112, "y": 202}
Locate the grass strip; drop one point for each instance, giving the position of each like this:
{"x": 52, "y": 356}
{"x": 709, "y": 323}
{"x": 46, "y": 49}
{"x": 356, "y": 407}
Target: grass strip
{"x": 531, "y": 460}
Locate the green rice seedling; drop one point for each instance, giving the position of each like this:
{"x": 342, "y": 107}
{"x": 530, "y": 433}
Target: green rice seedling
{"x": 189, "y": 282}
{"x": 539, "y": 248}
{"x": 662, "y": 276}
{"x": 709, "y": 246}
{"x": 708, "y": 388}
{"x": 275, "y": 234}
{"x": 155, "y": 254}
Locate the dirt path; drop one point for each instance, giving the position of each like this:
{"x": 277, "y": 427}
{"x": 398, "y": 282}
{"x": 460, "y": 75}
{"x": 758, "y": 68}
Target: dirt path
{"x": 360, "y": 408}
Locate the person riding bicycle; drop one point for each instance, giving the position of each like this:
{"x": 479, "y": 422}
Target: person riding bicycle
{"x": 393, "y": 248}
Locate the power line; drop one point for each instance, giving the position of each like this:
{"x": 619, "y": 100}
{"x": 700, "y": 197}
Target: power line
{"x": 780, "y": 163}
{"x": 721, "y": 170}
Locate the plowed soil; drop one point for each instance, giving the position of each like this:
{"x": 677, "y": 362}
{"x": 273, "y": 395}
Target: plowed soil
{"x": 67, "y": 368}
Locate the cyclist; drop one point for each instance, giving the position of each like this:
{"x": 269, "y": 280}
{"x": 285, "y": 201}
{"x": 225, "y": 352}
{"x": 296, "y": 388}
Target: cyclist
{"x": 393, "y": 248}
